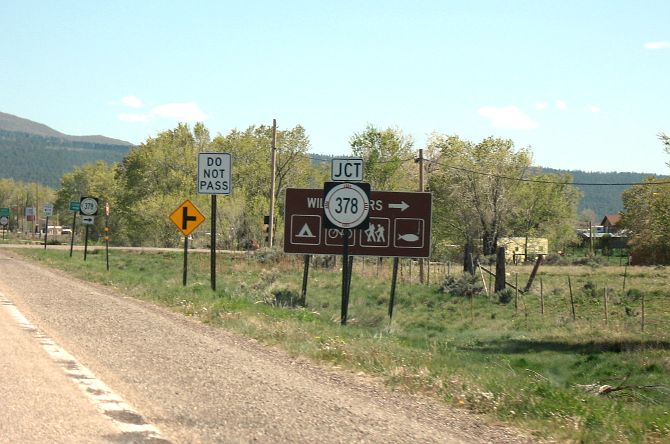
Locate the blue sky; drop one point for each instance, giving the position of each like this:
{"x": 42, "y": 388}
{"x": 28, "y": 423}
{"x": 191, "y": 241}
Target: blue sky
{"x": 585, "y": 84}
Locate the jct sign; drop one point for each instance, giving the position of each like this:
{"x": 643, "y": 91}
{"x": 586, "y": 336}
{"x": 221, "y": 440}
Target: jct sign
{"x": 400, "y": 224}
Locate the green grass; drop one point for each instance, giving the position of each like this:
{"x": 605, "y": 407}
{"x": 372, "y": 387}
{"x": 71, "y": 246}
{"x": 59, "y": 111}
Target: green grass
{"x": 531, "y": 370}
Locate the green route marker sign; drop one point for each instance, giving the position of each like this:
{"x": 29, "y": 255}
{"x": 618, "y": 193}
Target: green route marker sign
{"x": 75, "y": 206}
{"x": 5, "y": 212}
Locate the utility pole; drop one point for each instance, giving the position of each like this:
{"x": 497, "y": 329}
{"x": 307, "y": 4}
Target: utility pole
{"x": 421, "y": 189}
{"x": 272, "y": 183}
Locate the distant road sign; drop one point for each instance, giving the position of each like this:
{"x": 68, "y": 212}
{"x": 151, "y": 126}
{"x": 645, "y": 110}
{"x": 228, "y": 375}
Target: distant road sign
{"x": 214, "y": 173}
{"x": 87, "y": 220}
{"x": 346, "y": 169}
{"x": 346, "y": 205}
{"x": 400, "y": 224}
{"x": 48, "y": 209}
{"x": 5, "y": 212}
{"x": 4, "y": 220}
{"x": 88, "y": 206}
{"x": 30, "y": 212}
{"x": 187, "y": 217}
{"x": 74, "y": 206}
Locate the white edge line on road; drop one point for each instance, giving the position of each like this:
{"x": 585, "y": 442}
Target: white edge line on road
{"x": 109, "y": 403}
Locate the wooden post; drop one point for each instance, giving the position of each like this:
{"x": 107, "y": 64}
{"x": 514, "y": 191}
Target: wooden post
{"x": 643, "y": 312}
{"x": 273, "y": 165}
{"x": 572, "y": 300}
{"x": 516, "y": 292}
{"x": 625, "y": 273}
{"x": 486, "y": 289}
{"x": 541, "y": 298}
{"x": 500, "y": 269}
{"x": 533, "y": 273}
{"x": 607, "y": 316}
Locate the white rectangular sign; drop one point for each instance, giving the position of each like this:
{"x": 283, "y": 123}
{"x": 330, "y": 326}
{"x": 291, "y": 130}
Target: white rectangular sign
{"x": 347, "y": 169}
{"x": 214, "y": 174}
{"x": 48, "y": 210}
{"x": 87, "y": 220}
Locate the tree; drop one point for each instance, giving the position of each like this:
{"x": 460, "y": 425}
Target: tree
{"x": 546, "y": 206}
{"x": 251, "y": 151}
{"x": 384, "y": 153}
{"x": 474, "y": 187}
{"x": 645, "y": 217}
{"x": 154, "y": 178}
{"x": 94, "y": 179}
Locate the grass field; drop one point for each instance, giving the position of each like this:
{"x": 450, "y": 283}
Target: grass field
{"x": 591, "y": 378}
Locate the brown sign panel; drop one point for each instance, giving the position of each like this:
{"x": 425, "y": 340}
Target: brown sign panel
{"x": 400, "y": 225}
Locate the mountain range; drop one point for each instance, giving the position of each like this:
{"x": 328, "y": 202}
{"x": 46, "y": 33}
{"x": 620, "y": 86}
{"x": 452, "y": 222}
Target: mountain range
{"x": 34, "y": 152}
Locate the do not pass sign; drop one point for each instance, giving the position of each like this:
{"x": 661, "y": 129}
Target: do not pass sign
{"x": 214, "y": 173}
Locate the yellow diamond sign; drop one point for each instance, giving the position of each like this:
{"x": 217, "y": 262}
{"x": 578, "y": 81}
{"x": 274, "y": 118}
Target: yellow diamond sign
{"x": 187, "y": 217}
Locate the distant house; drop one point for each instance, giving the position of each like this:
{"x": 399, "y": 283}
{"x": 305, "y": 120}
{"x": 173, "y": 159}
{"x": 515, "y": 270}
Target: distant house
{"x": 515, "y": 247}
{"x": 606, "y": 236}
{"x": 610, "y": 222}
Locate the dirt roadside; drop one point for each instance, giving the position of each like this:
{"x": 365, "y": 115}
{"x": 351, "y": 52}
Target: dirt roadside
{"x": 203, "y": 384}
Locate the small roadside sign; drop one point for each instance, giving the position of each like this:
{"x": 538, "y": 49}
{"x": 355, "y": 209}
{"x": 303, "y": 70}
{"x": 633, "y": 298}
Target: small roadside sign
{"x": 30, "y": 211}
{"x": 346, "y": 205}
{"x": 4, "y": 221}
{"x": 214, "y": 173}
{"x": 74, "y": 206}
{"x": 346, "y": 169}
{"x": 48, "y": 209}
{"x": 187, "y": 217}
{"x": 88, "y": 206}
{"x": 87, "y": 220}
{"x": 5, "y": 212}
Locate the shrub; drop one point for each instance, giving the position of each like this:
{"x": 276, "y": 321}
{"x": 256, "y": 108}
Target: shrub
{"x": 268, "y": 255}
{"x": 465, "y": 285}
{"x": 287, "y": 298}
{"x": 505, "y": 296}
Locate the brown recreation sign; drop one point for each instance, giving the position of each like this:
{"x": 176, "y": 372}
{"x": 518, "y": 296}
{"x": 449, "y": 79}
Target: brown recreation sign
{"x": 400, "y": 225}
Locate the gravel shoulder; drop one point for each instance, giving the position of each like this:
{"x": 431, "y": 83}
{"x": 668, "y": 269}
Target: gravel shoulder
{"x": 198, "y": 383}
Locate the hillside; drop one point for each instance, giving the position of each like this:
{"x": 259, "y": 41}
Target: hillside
{"x": 33, "y": 152}
{"x": 602, "y": 199}
{"x": 15, "y": 124}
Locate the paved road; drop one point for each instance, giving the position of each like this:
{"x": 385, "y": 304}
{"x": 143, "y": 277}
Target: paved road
{"x": 132, "y": 364}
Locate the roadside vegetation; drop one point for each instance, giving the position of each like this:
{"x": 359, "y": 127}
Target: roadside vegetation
{"x": 587, "y": 377}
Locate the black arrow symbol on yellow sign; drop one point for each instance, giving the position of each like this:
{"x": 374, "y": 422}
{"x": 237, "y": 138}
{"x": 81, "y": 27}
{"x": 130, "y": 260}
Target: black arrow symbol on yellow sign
{"x": 185, "y": 218}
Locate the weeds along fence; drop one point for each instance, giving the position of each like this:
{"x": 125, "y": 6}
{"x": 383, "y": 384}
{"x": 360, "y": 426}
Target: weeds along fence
{"x": 612, "y": 298}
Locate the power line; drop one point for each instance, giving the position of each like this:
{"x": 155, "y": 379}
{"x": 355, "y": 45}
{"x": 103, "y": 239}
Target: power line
{"x": 518, "y": 179}
{"x": 554, "y": 182}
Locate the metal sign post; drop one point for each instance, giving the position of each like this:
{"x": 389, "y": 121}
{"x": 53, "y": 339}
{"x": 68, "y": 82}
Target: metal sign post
{"x": 346, "y": 206}
{"x": 74, "y": 207}
{"x": 48, "y": 211}
{"x": 187, "y": 218}
{"x": 88, "y": 208}
{"x": 214, "y": 177}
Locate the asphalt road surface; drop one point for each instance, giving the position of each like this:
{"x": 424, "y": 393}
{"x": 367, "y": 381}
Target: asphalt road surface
{"x": 82, "y": 364}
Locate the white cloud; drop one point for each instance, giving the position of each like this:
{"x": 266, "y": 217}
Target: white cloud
{"x": 132, "y": 117}
{"x": 187, "y": 112}
{"x": 507, "y": 117}
{"x": 132, "y": 102}
{"x": 561, "y": 105}
{"x": 594, "y": 109}
{"x": 541, "y": 106}
{"x": 657, "y": 45}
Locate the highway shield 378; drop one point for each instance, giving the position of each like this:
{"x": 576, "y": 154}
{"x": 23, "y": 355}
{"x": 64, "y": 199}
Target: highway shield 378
{"x": 400, "y": 225}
